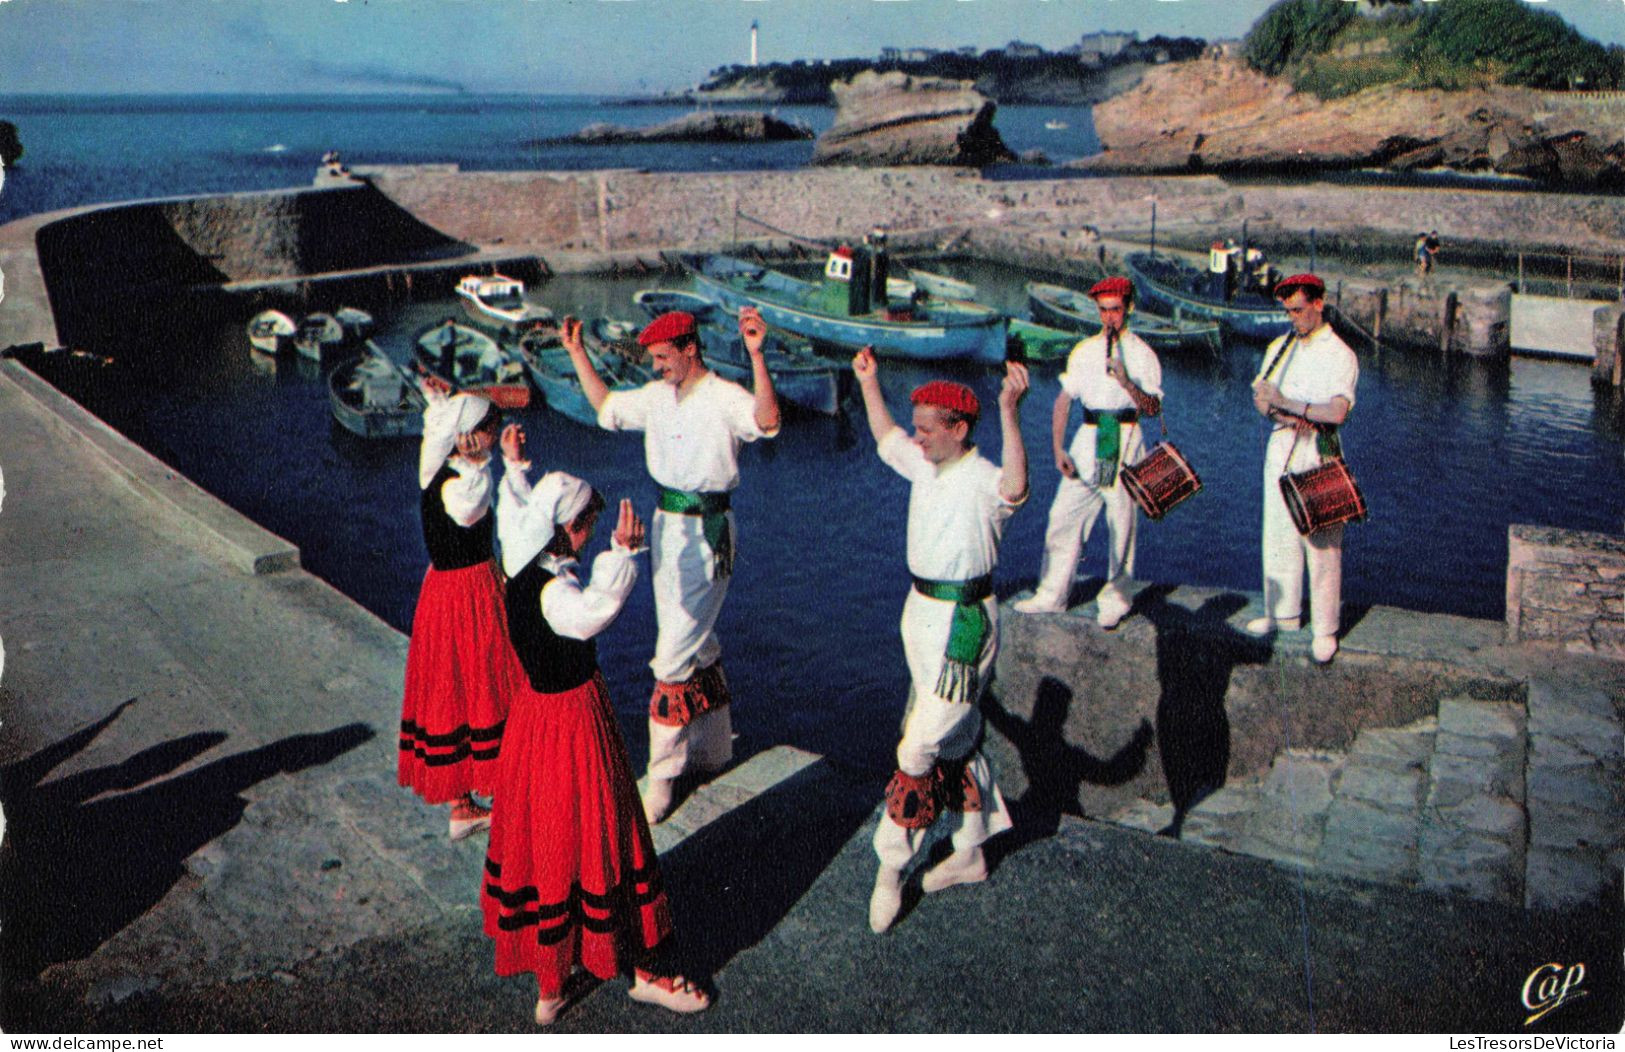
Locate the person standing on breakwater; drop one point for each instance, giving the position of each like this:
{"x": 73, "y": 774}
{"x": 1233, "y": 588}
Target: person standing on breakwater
{"x": 571, "y": 876}
{"x": 1306, "y": 389}
{"x": 460, "y": 671}
{"x": 693, "y": 422}
{"x": 957, "y": 508}
{"x": 1118, "y": 379}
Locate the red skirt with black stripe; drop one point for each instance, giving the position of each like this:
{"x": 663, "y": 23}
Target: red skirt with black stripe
{"x": 461, "y": 673}
{"x": 571, "y": 876}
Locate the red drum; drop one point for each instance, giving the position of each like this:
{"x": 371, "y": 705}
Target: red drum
{"x": 1323, "y": 497}
{"x": 1161, "y": 479}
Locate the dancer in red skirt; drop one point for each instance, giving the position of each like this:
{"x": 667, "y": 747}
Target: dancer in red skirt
{"x": 571, "y": 877}
{"x": 460, "y": 670}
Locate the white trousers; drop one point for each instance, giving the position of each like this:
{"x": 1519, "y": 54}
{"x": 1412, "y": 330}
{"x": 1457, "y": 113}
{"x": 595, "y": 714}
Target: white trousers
{"x": 936, "y": 728}
{"x": 688, "y": 600}
{"x": 1072, "y": 518}
{"x": 1287, "y": 552}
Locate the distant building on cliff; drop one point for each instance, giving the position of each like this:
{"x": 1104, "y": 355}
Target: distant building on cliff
{"x": 1021, "y": 49}
{"x": 1095, "y": 48}
{"x": 908, "y": 54}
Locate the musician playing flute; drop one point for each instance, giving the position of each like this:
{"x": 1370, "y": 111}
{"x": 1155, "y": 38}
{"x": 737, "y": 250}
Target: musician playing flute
{"x": 1118, "y": 379}
{"x": 1305, "y": 389}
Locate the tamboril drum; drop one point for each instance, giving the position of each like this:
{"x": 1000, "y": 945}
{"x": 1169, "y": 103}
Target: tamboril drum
{"x": 1323, "y": 497}
{"x": 1161, "y": 479}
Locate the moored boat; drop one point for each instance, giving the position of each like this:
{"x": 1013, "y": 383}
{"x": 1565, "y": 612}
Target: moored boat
{"x": 271, "y": 332}
{"x": 1167, "y": 284}
{"x": 941, "y": 285}
{"x": 799, "y": 375}
{"x": 1040, "y": 343}
{"x": 554, "y": 375}
{"x": 1070, "y": 309}
{"x": 319, "y": 333}
{"x": 842, "y": 310}
{"x": 471, "y": 361}
{"x": 499, "y": 301}
{"x": 372, "y": 396}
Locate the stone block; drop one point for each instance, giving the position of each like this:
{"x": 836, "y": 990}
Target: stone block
{"x": 1587, "y": 787}
{"x": 1546, "y": 750}
{"x": 1566, "y": 879}
{"x": 1395, "y": 748}
{"x": 1480, "y": 719}
{"x": 1470, "y": 864}
{"x": 1395, "y": 790}
{"x": 1144, "y": 815}
{"x": 1460, "y": 745}
{"x": 1455, "y": 778}
{"x": 1380, "y": 860}
{"x": 1563, "y": 827}
{"x": 1494, "y": 816}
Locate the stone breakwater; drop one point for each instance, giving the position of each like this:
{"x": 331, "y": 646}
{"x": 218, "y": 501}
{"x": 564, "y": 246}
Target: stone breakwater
{"x": 102, "y": 265}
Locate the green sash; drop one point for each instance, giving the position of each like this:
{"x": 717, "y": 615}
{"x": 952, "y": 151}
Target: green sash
{"x": 1108, "y": 445}
{"x": 712, "y": 508}
{"x": 967, "y": 634}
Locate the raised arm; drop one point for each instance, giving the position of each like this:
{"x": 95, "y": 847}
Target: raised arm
{"x": 754, "y": 332}
{"x": 867, "y": 371}
{"x": 577, "y": 612}
{"x": 1013, "y": 480}
{"x": 591, "y": 383}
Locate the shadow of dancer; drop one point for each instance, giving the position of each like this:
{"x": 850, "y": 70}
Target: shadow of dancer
{"x": 1196, "y": 652}
{"x": 79, "y": 865}
{"x": 1055, "y": 769}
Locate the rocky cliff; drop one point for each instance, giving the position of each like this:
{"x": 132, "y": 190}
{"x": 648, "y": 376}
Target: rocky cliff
{"x": 896, "y": 119}
{"x": 696, "y": 127}
{"x": 1223, "y": 116}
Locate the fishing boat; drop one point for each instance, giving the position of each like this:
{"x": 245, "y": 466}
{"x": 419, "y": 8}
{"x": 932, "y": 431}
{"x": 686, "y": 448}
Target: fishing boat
{"x": 271, "y": 332}
{"x": 357, "y": 323}
{"x": 1066, "y": 308}
{"x": 319, "y": 333}
{"x": 471, "y": 361}
{"x": 1168, "y": 284}
{"x": 1031, "y": 342}
{"x": 800, "y": 376}
{"x": 942, "y": 285}
{"x": 373, "y": 396}
{"x": 1055, "y": 125}
{"x": 499, "y": 301}
{"x": 841, "y": 309}
{"x": 554, "y": 375}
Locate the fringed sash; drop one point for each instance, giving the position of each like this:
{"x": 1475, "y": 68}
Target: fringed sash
{"x": 968, "y": 634}
{"x": 712, "y": 508}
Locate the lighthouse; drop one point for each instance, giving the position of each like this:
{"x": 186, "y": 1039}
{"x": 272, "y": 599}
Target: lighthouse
{"x": 753, "y": 29}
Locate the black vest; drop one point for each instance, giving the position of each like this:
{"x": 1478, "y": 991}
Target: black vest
{"x": 553, "y": 663}
{"x": 452, "y": 547}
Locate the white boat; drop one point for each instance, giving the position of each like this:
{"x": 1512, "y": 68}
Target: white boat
{"x": 322, "y": 333}
{"x": 271, "y": 332}
{"x": 499, "y": 301}
{"x": 1054, "y": 125}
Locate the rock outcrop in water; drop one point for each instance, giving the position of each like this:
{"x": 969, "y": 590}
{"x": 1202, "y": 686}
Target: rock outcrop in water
{"x": 695, "y": 127}
{"x": 885, "y": 119}
{"x": 1223, "y": 116}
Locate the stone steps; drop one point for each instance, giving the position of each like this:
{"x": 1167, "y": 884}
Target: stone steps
{"x": 1506, "y": 802}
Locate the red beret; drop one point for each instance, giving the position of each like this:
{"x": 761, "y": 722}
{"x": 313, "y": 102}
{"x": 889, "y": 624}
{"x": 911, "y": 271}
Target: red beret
{"x": 1121, "y": 287}
{"x": 948, "y": 395}
{"x": 668, "y": 327}
{"x": 1287, "y": 286}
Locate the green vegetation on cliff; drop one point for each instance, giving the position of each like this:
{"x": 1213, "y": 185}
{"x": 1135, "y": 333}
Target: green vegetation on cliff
{"x": 1334, "y": 48}
{"x": 1041, "y": 77}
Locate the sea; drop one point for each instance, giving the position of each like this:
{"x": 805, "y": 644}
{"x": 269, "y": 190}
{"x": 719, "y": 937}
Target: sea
{"x": 1449, "y": 451}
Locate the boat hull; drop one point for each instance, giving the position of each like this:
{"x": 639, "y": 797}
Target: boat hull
{"x": 370, "y": 422}
{"x": 974, "y": 339}
{"x": 1048, "y": 305}
{"x": 1168, "y": 285}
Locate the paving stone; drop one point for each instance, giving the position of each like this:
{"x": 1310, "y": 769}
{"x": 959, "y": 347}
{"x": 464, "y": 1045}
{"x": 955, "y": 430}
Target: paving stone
{"x": 1395, "y": 748}
{"x": 1560, "y": 826}
{"x": 1559, "y": 879}
{"x": 1387, "y": 863}
{"x": 1492, "y": 815}
{"x": 1206, "y": 831}
{"x": 1372, "y": 842}
{"x": 1231, "y": 800}
{"x": 767, "y": 769}
{"x": 1585, "y": 787}
{"x": 1477, "y": 748}
{"x": 1454, "y": 778}
{"x": 1302, "y": 780}
{"x": 1545, "y": 750}
{"x": 1575, "y": 724}
{"x": 1480, "y": 719}
{"x": 1144, "y": 815}
{"x": 1400, "y": 790}
{"x": 1471, "y": 864}
{"x": 1546, "y": 696}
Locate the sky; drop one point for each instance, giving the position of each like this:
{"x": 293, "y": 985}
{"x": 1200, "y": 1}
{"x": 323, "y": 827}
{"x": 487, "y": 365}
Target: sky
{"x": 563, "y": 46}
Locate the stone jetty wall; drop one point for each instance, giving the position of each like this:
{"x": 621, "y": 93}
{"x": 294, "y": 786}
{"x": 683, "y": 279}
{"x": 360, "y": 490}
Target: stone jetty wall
{"x": 1608, "y": 337}
{"x": 1566, "y": 587}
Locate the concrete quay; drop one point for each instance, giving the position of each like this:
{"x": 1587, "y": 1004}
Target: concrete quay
{"x": 203, "y": 834}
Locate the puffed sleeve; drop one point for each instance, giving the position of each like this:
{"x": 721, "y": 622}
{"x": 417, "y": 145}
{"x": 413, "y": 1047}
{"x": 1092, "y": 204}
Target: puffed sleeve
{"x": 1147, "y": 371}
{"x": 902, "y": 456}
{"x": 439, "y": 434}
{"x": 468, "y": 496}
{"x": 627, "y": 410}
{"x": 1071, "y": 378}
{"x": 1344, "y": 376}
{"x": 581, "y": 613}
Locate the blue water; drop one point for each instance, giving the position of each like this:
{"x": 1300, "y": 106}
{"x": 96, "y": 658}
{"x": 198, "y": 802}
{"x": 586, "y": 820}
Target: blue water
{"x": 85, "y": 149}
{"x": 1449, "y": 451}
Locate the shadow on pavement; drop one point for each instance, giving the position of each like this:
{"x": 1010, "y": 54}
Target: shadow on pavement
{"x": 78, "y": 865}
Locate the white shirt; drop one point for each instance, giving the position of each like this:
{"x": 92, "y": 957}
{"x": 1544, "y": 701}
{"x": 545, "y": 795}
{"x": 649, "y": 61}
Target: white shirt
{"x": 1087, "y": 380}
{"x": 468, "y": 496}
{"x": 691, "y": 444}
{"x": 575, "y": 612}
{"x": 956, "y": 514}
{"x": 1317, "y": 369}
